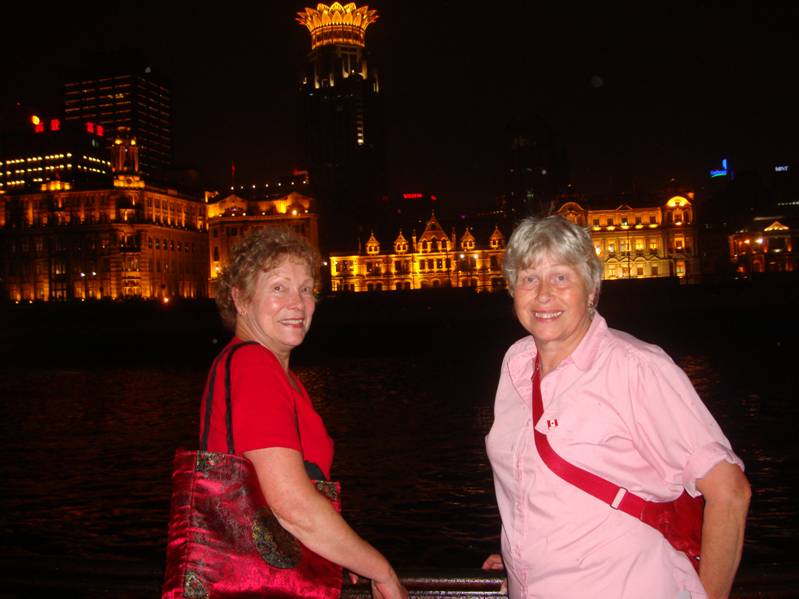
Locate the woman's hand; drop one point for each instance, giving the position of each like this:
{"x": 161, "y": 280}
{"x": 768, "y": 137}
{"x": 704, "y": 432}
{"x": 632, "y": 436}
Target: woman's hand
{"x": 308, "y": 515}
{"x": 493, "y": 562}
{"x": 391, "y": 588}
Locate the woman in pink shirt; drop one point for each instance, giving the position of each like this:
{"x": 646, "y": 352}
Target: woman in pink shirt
{"x": 613, "y": 406}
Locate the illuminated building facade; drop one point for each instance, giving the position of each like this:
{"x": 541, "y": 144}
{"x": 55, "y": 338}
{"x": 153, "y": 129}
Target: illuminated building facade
{"x": 125, "y": 240}
{"x": 642, "y": 242}
{"x": 766, "y": 245}
{"x": 632, "y": 243}
{"x": 232, "y": 217}
{"x": 343, "y": 139}
{"x": 433, "y": 259}
{"x": 135, "y": 99}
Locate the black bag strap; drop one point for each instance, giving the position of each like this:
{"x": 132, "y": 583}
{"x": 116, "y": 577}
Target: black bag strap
{"x": 209, "y": 397}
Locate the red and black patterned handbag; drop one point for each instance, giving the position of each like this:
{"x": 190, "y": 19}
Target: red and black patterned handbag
{"x": 223, "y": 539}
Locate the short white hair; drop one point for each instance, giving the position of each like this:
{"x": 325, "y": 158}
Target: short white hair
{"x": 559, "y": 238}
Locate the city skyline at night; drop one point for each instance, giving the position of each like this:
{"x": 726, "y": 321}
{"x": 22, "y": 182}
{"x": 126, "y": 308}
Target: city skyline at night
{"x": 634, "y": 97}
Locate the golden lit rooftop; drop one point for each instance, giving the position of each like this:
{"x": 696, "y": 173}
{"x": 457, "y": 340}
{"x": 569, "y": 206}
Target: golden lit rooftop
{"x": 337, "y": 24}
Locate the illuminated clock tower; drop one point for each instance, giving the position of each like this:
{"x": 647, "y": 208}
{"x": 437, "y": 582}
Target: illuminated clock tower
{"x": 342, "y": 123}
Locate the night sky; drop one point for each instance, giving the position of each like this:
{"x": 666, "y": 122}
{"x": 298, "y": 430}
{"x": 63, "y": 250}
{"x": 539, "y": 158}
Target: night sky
{"x": 635, "y": 95}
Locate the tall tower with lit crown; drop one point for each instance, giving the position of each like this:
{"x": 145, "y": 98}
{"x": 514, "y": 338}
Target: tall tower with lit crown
{"x": 342, "y": 123}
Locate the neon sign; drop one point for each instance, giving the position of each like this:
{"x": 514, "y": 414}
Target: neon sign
{"x": 722, "y": 172}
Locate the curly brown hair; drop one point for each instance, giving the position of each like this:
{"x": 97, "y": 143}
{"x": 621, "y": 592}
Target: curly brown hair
{"x": 260, "y": 250}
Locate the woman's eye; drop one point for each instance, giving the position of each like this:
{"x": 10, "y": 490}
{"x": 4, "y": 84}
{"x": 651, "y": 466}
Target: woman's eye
{"x": 277, "y": 288}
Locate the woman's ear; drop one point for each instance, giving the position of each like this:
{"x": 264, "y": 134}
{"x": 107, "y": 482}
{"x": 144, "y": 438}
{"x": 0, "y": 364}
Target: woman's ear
{"x": 238, "y": 300}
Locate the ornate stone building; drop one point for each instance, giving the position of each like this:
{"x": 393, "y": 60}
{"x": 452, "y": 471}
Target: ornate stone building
{"x": 643, "y": 242}
{"x": 433, "y": 259}
{"x": 650, "y": 241}
{"x": 114, "y": 241}
{"x": 233, "y": 216}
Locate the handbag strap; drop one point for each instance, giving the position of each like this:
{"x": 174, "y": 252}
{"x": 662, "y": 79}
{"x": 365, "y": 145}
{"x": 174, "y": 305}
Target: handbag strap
{"x": 615, "y": 496}
{"x": 209, "y": 397}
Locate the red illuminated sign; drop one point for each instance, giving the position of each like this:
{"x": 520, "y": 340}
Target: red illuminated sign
{"x": 55, "y": 125}
{"x": 99, "y": 130}
{"x": 89, "y": 127}
{"x": 39, "y": 128}
{"x": 412, "y": 196}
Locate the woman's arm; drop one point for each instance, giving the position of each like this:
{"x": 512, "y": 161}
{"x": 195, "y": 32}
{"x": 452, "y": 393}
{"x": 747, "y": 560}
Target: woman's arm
{"x": 306, "y": 514}
{"x": 727, "y": 495}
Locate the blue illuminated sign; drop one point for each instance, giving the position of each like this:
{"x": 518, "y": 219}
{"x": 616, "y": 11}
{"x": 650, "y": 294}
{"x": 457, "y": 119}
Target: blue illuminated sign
{"x": 722, "y": 172}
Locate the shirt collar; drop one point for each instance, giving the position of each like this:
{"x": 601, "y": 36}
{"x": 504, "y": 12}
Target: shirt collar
{"x": 585, "y": 353}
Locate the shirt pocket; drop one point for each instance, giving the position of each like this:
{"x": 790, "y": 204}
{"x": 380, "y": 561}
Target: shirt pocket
{"x": 590, "y": 423}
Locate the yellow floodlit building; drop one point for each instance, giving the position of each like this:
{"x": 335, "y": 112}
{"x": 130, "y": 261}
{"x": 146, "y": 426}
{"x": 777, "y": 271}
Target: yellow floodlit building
{"x": 632, "y": 243}
{"x": 432, "y": 259}
{"x": 108, "y": 243}
{"x": 646, "y": 242}
{"x": 233, "y": 216}
{"x": 119, "y": 240}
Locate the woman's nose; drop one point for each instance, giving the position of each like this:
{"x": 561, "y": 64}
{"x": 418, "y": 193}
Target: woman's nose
{"x": 294, "y": 297}
{"x": 543, "y": 292}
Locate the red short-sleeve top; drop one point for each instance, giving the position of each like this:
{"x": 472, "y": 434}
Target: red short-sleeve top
{"x": 267, "y": 410}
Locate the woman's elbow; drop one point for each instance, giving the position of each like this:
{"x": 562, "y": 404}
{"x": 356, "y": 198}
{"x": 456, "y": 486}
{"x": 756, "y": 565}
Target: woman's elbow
{"x": 743, "y": 493}
{"x": 731, "y": 490}
{"x": 293, "y": 514}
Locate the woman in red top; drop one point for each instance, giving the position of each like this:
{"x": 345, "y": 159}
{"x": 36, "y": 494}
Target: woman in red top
{"x": 266, "y": 295}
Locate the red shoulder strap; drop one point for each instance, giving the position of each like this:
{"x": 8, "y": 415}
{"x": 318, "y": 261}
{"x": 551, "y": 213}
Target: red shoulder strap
{"x": 615, "y": 496}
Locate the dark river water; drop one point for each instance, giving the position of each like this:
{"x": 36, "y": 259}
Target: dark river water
{"x": 88, "y": 442}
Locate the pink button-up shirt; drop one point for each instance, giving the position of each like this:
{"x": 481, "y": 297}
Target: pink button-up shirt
{"x": 622, "y": 409}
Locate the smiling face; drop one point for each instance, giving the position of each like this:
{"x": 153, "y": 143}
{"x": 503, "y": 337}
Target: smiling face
{"x": 278, "y": 313}
{"x": 552, "y": 302}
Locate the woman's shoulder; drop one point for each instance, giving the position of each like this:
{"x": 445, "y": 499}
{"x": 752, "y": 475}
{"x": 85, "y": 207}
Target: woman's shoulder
{"x": 622, "y": 345}
{"x": 522, "y": 349}
{"x": 250, "y": 353}
{"x": 525, "y": 345}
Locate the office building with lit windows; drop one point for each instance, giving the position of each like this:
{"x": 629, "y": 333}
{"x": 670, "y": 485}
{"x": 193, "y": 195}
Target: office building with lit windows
{"x": 135, "y": 99}
{"x": 51, "y": 154}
